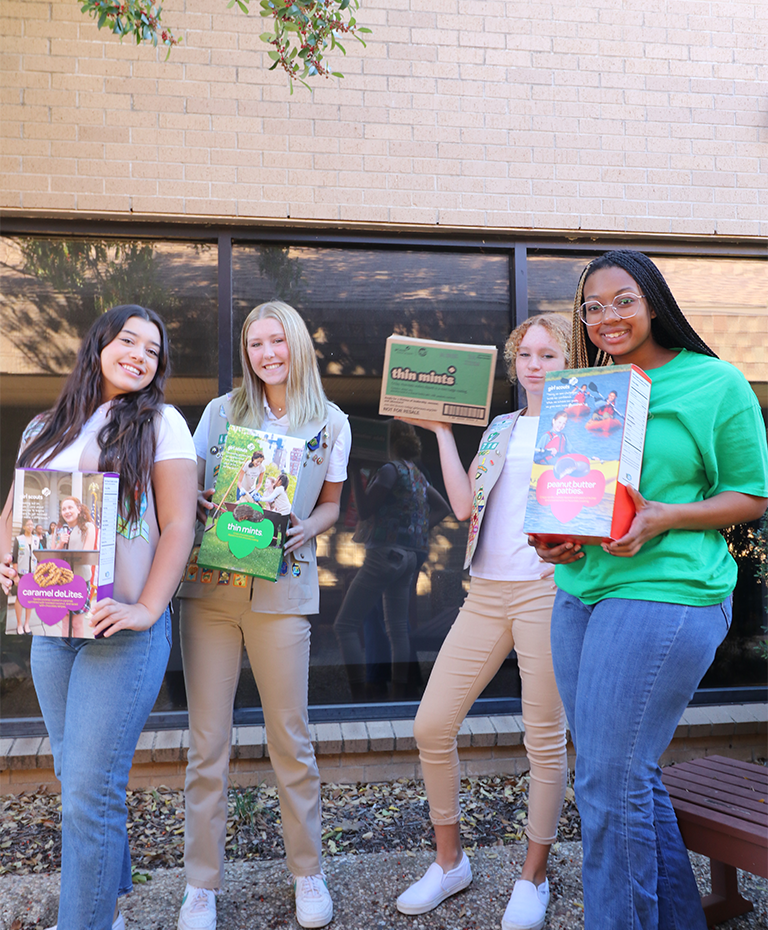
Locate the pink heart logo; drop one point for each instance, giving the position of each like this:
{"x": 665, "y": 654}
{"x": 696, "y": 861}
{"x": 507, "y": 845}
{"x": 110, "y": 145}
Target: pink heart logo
{"x": 566, "y": 497}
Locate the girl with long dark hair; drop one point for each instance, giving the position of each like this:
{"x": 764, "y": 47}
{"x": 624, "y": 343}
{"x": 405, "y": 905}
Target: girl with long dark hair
{"x": 637, "y": 620}
{"x": 96, "y": 694}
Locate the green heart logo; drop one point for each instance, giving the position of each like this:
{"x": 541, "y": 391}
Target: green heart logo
{"x": 243, "y": 536}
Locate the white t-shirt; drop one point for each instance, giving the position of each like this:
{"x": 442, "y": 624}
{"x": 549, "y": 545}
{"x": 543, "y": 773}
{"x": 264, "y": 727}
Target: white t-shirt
{"x": 502, "y": 552}
{"x": 251, "y": 475}
{"x": 173, "y": 439}
{"x": 337, "y": 460}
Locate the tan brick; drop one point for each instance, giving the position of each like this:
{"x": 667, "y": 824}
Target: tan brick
{"x": 118, "y": 202}
{"x": 157, "y": 204}
{"x": 48, "y": 201}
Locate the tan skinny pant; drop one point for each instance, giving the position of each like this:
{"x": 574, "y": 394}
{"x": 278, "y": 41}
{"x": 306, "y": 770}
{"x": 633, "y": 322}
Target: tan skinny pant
{"x": 495, "y": 617}
{"x": 213, "y": 632}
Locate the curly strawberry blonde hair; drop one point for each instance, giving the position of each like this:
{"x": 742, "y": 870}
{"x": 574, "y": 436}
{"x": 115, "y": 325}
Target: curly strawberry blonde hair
{"x": 556, "y": 325}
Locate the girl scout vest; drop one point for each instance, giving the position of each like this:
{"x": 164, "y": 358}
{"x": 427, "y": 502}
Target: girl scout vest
{"x": 490, "y": 462}
{"x": 297, "y": 589}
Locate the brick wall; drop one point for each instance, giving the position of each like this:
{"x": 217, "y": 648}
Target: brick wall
{"x": 641, "y": 115}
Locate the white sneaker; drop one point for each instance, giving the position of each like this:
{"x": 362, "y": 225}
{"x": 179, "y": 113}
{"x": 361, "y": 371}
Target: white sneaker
{"x": 527, "y": 906}
{"x": 314, "y": 907}
{"x": 119, "y": 923}
{"x": 198, "y": 909}
{"x": 434, "y": 887}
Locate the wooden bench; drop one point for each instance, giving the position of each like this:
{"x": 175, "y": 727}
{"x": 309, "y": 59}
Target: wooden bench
{"x": 722, "y": 808}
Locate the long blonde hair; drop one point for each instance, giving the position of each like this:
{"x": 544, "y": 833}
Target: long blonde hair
{"x": 304, "y": 394}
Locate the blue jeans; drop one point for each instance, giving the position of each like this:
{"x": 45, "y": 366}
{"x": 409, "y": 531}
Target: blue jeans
{"x": 95, "y": 696}
{"x": 626, "y": 671}
{"x": 386, "y": 571}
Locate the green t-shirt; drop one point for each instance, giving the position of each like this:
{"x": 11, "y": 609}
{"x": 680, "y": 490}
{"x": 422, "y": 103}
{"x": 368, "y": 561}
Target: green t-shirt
{"x": 705, "y": 435}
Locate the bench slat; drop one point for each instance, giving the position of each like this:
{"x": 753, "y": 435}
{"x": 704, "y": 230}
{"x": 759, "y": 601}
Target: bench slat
{"x": 743, "y": 802}
{"x": 721, "y": 822}
{"x": 748, "y": 771}
{"x": 735, "y": 779}
{"x": 712, "y": 769}
{"x": 725, "y": 762}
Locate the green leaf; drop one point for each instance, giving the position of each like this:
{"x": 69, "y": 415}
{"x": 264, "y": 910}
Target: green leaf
{"x": 267, "y": 36}
{"x": 337, "y": 74}
{"x": 274, "y": 55}
{"x": 242, "y": 6}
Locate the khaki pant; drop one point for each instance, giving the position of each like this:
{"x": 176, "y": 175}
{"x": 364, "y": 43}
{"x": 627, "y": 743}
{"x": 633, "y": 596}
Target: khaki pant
{"x": 213, "y": 632}
{"x": 496, "y": 616}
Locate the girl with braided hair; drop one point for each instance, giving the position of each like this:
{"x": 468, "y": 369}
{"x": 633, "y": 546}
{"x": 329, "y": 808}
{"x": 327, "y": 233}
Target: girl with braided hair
{"x": 637, "y": 620}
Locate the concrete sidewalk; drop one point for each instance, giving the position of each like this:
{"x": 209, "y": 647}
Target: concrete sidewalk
{"x": 258, "y": 896}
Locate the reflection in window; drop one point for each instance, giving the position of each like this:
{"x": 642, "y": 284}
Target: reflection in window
{"x": 55, "y": 288}
{"x": 726, "y": 302}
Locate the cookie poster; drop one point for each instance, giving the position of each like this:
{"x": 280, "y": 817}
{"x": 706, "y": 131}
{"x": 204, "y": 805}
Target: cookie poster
{"x": 589, "y": 447}
{"x": 64, "y": 527}
{"x": 255, "y": 486}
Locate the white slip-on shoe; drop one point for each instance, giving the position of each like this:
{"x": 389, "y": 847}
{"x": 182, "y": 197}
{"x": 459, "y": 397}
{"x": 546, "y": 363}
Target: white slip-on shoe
{"x": 434, "y": 887}
{"x": 198, "y": 909}
{"x": 527, "y": 906}
{"x": 314, "y": 907}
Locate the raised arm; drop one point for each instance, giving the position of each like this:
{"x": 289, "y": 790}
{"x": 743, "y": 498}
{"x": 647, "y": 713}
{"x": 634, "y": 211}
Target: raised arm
{"x": 458, "y": 483}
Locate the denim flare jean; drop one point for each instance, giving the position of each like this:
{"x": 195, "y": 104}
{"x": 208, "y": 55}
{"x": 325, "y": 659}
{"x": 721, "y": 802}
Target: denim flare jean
{"x": 95, "y": 696}
{"x": 626, "y": 671}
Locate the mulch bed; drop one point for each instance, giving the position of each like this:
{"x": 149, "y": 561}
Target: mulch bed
{"x": 359, "y": 818}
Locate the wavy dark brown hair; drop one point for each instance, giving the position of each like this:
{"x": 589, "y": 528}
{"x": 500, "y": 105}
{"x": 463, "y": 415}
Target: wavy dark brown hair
{"x": 669, "y": 327}
{"x": 127, "y": 440}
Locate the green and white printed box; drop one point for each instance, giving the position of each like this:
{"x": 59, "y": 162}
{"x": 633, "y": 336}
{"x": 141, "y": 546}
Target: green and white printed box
{"x": 255, "y": 487}
{"x": 446, "y": 381}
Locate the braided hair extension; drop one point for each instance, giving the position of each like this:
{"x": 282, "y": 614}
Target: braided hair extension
{"x": 669, "y": 327}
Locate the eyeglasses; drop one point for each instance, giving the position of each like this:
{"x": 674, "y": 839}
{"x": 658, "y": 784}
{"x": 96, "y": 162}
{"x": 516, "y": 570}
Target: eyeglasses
{"x": 624, "y": 306}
